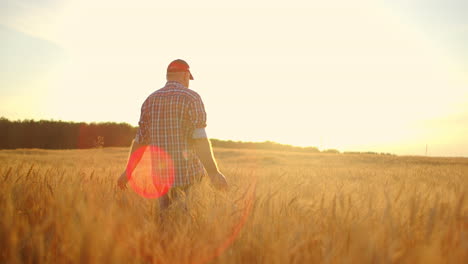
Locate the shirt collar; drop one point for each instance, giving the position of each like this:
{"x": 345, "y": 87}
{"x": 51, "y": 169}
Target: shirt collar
{"x": 175, "y": 84}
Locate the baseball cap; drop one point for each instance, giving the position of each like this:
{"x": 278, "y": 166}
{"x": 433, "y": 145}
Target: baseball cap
{"x": 179, "y": 66}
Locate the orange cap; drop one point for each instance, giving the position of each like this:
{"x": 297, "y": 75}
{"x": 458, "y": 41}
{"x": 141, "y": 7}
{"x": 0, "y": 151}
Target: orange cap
{"x": 179, "y": 66}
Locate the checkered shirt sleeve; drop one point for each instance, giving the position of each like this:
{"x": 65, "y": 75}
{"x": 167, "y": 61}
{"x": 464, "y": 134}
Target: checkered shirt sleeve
{"x": 197, "y": 113}
{"x": 143, "y": 134}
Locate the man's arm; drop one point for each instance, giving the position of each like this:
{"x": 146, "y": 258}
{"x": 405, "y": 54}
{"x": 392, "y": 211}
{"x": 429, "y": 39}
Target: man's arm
{"x": 132, "y": 161}
{"x": 204, "y": 152}
{"x": 134, "y": 158}
{"x": 202, "y": 145}
{"x": 140, "y": 141}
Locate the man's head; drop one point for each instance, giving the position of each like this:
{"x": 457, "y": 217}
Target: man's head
{"x": 179, "y": 71}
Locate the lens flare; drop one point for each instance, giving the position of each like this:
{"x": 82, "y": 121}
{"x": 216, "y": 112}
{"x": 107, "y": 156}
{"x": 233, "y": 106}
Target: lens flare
{"x": 247, "y": 203}
{"x": 150, "y": 172}
{"x": 156, "y": 166}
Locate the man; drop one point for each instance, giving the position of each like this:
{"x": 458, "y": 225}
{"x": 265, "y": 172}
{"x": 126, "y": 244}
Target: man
{"x": 173, "y": 120}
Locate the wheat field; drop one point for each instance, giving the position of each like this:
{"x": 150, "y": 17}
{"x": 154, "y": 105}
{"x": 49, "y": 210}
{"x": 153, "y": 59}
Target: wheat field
{"x": 63, "y": 206}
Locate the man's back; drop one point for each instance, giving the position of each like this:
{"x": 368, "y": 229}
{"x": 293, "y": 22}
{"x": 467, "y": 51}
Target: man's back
{"x": 172, "y": 124}
{"x": 168, "y": 119}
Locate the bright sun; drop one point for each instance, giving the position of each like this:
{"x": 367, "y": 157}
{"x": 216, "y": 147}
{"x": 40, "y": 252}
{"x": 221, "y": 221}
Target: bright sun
{"x": 356, "y": 77}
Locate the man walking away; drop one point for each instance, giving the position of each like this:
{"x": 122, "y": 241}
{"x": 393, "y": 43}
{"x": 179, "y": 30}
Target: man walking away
{"x": 173, "y": 119}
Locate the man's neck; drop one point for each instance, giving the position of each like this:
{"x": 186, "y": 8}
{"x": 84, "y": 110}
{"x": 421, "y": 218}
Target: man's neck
{"x": 178, "y": 82}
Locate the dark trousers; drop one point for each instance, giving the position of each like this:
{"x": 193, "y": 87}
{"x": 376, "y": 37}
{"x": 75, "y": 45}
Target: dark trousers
{"x": 176, "y": 196}
{"x": 172, "y": 203}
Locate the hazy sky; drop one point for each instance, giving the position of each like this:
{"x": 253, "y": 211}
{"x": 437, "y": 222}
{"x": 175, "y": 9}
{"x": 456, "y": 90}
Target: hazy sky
{"x": 363, "y": 75}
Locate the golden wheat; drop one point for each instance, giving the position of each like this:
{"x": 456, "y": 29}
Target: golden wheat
{"x": 64, "y": 207}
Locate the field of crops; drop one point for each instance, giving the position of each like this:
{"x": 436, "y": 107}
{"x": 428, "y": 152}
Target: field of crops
{"x": 64, "y": 207}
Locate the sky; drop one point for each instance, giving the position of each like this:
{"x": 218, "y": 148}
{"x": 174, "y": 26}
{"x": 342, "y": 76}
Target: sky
{"x": 380, "y": 75}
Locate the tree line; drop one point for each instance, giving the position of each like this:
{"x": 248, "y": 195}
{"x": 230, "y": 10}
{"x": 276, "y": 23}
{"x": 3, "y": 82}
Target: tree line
{"x": 50, "y": 134}
{"x": 47, "y": 134}
{"x": 267, "y": 145}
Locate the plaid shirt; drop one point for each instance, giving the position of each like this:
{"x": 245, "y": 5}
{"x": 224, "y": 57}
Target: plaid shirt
{"x": 168, "y": 119}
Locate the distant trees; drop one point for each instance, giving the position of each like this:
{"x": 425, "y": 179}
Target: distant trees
{"x": 333, "y": 151}
{"x": 47, "y": 134}
{"x": 63, "y": 135}
{"x": 367, "y": 153}
{"x": 267, "y": 145}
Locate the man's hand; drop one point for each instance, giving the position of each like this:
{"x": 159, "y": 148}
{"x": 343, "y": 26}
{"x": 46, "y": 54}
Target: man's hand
{"x": 219, "y": 181}
{"x": 122, "y": 181}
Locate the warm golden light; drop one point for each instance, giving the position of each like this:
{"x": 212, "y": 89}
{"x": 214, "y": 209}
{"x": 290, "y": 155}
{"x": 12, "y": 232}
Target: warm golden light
{"x": 353, "y": 76}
